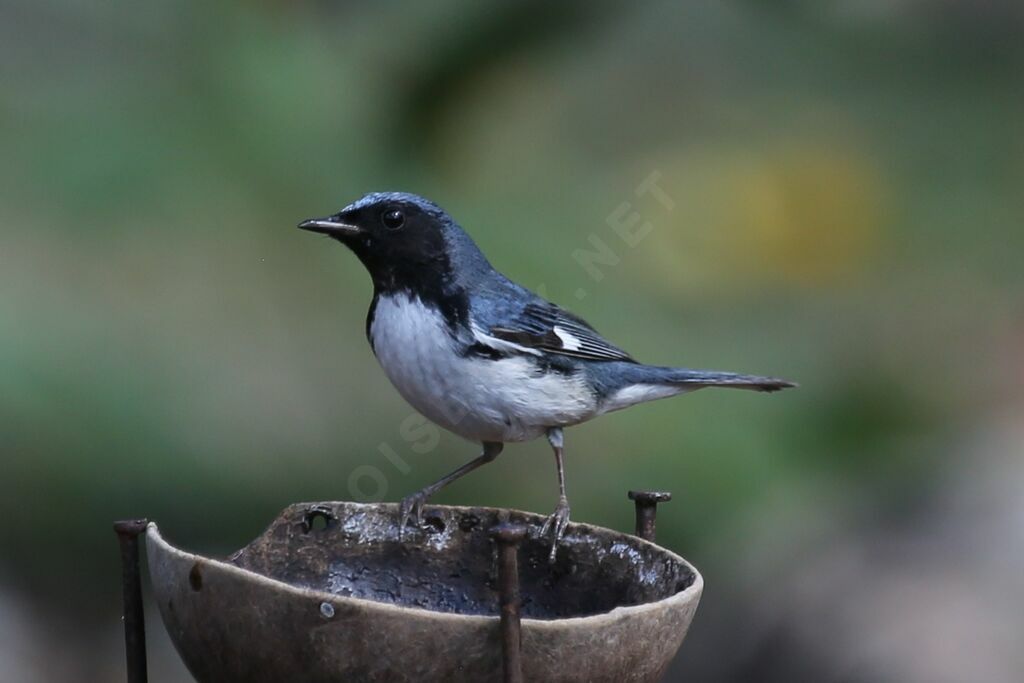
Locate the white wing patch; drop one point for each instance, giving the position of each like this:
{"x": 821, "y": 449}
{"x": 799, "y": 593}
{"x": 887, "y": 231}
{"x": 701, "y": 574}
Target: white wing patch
{"x": 500, "y": 344}
{"x": 570, "y": 342}
{"x": 545, "y": 326}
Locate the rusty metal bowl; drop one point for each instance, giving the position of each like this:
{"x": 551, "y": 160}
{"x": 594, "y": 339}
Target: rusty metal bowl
{"x": 329, "y": 592}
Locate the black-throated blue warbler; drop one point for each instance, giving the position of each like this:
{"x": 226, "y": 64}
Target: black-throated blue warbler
{"x": 481, "y": 355}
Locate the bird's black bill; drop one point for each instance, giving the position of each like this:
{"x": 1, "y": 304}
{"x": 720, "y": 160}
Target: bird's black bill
{"x": 329, "y": 226}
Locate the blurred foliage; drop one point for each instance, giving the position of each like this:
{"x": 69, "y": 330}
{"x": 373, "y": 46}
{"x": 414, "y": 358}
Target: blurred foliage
{"x": 846, "y": 180}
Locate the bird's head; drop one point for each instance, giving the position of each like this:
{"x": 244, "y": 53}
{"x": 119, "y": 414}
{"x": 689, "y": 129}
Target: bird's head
{"x": 399, "y": 237}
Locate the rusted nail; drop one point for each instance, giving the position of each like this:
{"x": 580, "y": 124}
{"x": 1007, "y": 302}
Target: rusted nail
{"x": 647, "y": 511}
{"x": 508, "y": 537}
{"x": 131, "y": 583}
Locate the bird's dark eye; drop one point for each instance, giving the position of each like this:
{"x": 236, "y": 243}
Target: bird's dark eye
{"x": 393, "y": 219}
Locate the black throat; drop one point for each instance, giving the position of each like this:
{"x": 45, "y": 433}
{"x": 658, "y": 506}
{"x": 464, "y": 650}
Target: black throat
{"x": 432, "y": 284}
{"x": 417, "y": 261}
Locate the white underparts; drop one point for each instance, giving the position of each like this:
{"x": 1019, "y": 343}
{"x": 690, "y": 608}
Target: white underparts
{"x": 478, "y": 398}
{"x": 641, "y": 393}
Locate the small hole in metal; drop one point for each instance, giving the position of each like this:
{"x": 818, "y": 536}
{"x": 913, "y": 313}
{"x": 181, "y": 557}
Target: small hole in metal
{"x": 434, "y": 525}
{"x": 316, "y": 520}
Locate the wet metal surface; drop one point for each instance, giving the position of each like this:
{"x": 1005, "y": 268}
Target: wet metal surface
{"x": 329, "y": 593}
{"x": 449, "y": 564}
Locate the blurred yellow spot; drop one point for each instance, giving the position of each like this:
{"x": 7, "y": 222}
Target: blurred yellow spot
{"x": 806, "y": 215}
{"x": 811, "y": 216}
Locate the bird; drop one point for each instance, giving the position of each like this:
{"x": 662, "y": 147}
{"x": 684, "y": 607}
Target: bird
{"x": 482, "y": 356}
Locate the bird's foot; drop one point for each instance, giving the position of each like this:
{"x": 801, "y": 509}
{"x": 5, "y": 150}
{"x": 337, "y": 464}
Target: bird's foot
{"x": 410, "y": 510}
{"x": 555, "y": 525}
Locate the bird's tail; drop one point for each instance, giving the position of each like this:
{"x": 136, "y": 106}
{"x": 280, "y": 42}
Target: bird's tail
{"x": 627, "y": 384}
{"x": 713, "y": 378}
{"x": 688, "y": 379}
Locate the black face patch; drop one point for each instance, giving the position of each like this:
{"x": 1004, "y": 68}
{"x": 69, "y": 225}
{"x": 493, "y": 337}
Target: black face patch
{"x": 402, "y": 244}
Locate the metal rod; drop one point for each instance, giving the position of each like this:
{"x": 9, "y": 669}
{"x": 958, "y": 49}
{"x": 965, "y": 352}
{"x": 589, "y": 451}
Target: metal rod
{"x": 508, "y": 537}
{"x": 131, "y": 582}
{"x": 647, "y": 511}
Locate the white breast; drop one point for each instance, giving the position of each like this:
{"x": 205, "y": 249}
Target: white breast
{"x": 477, "y": 398}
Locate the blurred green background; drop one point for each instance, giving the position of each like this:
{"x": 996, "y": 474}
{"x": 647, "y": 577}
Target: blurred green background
{"x": 847, "y": 188}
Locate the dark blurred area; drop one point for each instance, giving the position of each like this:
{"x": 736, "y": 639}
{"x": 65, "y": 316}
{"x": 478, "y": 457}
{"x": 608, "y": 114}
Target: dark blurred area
{"x": 846, "y": 182}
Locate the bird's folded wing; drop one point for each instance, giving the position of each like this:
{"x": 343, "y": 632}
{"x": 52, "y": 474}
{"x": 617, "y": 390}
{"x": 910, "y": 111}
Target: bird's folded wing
{"x": 545, "y": 327}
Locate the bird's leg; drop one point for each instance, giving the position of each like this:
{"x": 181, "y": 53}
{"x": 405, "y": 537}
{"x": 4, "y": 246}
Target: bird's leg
{"x": 411, "y": 507}
{"x": 559, "y": 519}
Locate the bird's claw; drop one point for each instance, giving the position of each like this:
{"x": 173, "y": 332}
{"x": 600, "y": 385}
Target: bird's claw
{"x": 555, "y": 525}
{"x": 410, "y": 510}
